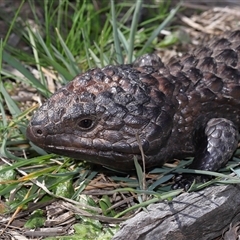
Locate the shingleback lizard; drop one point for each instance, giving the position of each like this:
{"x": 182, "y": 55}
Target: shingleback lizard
{"x": 188, "y": 107}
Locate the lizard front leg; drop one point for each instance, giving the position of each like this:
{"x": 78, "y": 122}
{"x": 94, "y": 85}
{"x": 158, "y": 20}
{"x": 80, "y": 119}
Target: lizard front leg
{"x": 214, "y": 149}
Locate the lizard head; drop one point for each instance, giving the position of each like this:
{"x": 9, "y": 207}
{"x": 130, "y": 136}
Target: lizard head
{"x": 103, "y": 115}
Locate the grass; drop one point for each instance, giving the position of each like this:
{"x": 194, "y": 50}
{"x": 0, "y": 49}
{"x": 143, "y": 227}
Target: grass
{"x": 60, "y": 46}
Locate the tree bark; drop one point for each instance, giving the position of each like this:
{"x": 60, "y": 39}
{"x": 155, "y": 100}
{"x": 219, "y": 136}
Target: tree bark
{"x": 198, "y": 215}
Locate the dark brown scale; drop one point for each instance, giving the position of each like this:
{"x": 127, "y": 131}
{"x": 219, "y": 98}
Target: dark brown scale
{"x": 207, "y": 64}
{"x": 189, "y": 107}
{"x": 222, "y": 43}
{"x": 203, "y": 52}
{"x": 228, "y": 56}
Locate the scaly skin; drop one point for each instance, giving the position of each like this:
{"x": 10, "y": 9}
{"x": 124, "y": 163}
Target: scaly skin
{"x": 190, "y": 107}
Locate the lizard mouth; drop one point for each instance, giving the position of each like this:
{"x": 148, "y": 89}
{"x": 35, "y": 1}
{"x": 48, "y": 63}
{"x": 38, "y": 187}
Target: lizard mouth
{"x": 114, "y": 160}
{"x": 83, "y": 149}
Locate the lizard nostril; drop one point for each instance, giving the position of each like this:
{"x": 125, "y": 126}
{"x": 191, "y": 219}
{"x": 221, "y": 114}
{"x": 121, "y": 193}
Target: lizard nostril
{"x": 39, "y": 132}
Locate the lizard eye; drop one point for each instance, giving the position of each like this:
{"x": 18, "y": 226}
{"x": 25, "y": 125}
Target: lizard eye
{"x": 86, "y": 124}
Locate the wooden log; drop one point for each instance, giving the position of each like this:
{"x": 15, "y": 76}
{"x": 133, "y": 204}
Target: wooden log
{"x": 198, "y": 215}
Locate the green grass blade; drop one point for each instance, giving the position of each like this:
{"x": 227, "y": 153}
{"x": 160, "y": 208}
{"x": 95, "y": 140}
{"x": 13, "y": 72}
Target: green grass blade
{"x": 95, "y": 58}
{"x": 50, "y": 59}
{"x": 64, "y": 74}
{"x": 12, "y": 106}
{"x": 140, "y": 174}
{"x": 44, "y": 46}
{"x": 36, "y": 55}
{"x": 86, "y": 47}
{"x": 70, "y": 70}
{"x": 115, "y": 34}
{"x": 124, "y": 41}
{"x": 164, "y": 196}
{"x": 72, "y": 67}
{"x": 17, "y": 65}
{"x": 159, "y": 29}
{"x": 104, "y": 59}
{"x": 13, "y": 22}
{"x": 134, "y": 29}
